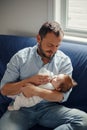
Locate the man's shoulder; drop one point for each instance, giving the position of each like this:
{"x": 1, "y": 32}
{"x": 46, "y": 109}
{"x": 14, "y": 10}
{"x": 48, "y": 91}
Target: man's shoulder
{"x": 61, "y": 54}
{"x": 25, "y": 52}
{"x": 23, "y": 55}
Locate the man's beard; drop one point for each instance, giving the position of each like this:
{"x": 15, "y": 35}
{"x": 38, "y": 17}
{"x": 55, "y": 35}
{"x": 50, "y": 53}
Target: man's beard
{"x": 42, "y": 54}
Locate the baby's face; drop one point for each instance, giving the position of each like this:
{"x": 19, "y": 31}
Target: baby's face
{"x": 58, "y": 81}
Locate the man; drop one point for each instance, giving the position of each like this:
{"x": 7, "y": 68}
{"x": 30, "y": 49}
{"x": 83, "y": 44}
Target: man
{"x": 25, "y": 65}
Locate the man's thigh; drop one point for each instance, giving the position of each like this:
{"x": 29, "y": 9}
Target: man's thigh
{"x": 53, "y": 115}
{"x": 17, "y": 120}
{"x": 56, "y": 115}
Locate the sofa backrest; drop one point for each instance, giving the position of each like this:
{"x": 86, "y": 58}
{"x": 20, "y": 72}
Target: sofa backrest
{"x": 78, "y": 55}
{"x": 9, "y": 45}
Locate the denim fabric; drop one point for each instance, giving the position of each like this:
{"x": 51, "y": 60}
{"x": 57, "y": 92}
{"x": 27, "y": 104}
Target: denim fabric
{"x": 46, "y": 114}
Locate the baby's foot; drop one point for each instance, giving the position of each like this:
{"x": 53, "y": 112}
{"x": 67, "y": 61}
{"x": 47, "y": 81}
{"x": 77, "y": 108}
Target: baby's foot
{"x": 10, "y": 108}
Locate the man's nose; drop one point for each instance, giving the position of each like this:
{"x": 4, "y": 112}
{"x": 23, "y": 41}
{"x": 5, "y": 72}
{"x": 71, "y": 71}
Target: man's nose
{"x": 54, "y": 49}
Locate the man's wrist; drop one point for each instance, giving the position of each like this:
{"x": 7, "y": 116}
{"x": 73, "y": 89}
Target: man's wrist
{"x": 37, "y": 91}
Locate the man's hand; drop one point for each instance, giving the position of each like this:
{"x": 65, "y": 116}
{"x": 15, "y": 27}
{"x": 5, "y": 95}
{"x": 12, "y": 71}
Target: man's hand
{"x": 15, "y": 87}
{"x": 39, "y": 79}
{"x": 28, "y": 90}
{"x": 50, "y": 95}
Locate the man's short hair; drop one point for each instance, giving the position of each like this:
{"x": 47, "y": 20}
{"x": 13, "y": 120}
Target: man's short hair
{"x": 49, "y": 27}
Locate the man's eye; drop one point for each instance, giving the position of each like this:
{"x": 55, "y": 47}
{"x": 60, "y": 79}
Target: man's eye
{"x": 49, "y": 45}
{"x": 57, "y": 46}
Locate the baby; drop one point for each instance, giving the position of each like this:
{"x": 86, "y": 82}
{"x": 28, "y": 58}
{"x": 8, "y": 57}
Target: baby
{"x": 61, "y": 82}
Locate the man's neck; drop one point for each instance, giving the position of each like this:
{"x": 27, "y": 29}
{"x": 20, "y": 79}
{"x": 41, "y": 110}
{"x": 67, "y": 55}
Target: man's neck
{"x": 44, "y": 59}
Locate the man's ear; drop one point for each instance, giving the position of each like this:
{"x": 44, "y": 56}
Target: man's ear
{"x": 74, "y": 83}
{"x": 38, "y": 38}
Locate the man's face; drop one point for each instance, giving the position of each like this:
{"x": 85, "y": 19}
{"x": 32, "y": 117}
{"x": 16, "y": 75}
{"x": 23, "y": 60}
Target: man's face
{"x": 49, "y": 45}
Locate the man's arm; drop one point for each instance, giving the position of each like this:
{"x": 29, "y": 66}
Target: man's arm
{"x": 15, "y": 88}
{"x": 50, "y": 95}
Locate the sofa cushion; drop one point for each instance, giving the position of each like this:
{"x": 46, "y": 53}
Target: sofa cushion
{"x": 9, "y": 45}
{"x": 2, "y": 69}
{"x": 78, "y": 55}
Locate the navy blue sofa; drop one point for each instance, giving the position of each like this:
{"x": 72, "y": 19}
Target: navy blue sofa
{"x": 9, "y": 45}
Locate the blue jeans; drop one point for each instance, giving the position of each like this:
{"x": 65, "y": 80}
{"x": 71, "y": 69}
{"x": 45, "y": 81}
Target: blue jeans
{"x": 47, "y": 114}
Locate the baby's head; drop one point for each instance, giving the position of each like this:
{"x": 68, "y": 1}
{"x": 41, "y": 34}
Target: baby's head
{"x": 63, "y": 82}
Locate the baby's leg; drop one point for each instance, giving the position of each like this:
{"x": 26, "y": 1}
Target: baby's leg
{"x": 36, "y": 99}
{"x": 22, "y": 101}
{"x": 29, "y": 102}
{"x": 11, "y": 108}
{"x": 16, "y": 105}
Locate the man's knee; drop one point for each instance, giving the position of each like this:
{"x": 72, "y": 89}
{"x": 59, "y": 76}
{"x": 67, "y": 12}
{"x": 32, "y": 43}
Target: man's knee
{"x": 79, "y": 119}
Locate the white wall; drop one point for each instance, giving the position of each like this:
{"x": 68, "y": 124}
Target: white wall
{"x": 22, "y": 17}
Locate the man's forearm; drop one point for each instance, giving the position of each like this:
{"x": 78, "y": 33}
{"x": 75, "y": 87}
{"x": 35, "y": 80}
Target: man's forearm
{"x": 14, "y": 88}
{"x": 50, "y": 95}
